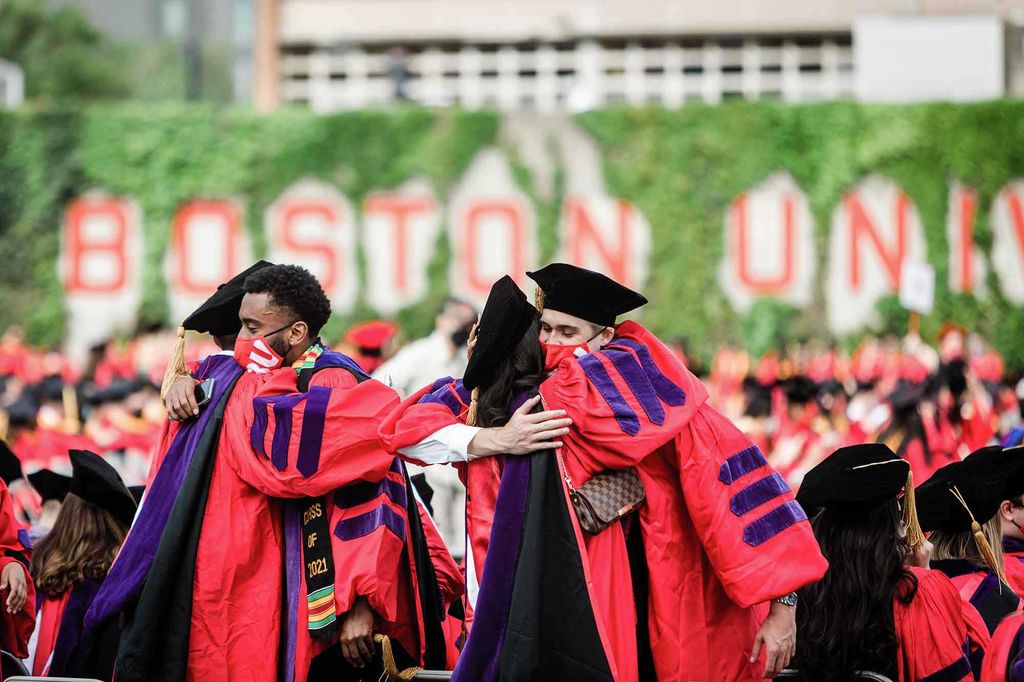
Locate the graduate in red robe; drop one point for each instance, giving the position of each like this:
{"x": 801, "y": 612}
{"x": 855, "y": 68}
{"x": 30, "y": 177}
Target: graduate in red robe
{"x": 288, "y": 494}
{"x": 1004, "y": 661}
{"x": 1011, "y": 512}
{"x": 872, "y": 611}
{"x": 710, "y": 494}
{"x": 17, "y": 592}
{"x": 958, "y": 506}
{"x": 71, "y": 563}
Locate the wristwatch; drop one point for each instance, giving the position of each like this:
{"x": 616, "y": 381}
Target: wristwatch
{"x": 787, "y": 599}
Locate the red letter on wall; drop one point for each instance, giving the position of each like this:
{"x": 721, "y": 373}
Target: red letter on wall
{"x": 493, "y": 246}
{"x": 765, "y": 285}
{"x": 862, "y": 227}
{"x": 95, "y": 245}
{"x": 205, "y": 241}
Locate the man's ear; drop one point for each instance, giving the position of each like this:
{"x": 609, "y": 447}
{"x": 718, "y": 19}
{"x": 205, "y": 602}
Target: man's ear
{"x": 298, "y": 332}
{"x": 606, "y": 336}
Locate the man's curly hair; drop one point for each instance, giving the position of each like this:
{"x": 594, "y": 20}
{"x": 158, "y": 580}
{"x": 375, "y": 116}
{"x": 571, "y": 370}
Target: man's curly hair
{"x": 295, "y": 288}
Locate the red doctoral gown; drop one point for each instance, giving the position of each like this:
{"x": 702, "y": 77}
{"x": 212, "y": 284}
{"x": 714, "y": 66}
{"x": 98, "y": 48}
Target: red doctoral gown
{"x": 722, "y": 532}
{"x": 235, "y": 631}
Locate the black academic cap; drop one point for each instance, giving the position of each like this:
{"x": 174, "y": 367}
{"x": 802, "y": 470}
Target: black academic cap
{"x": 95, "y": 481}
{"x": 50, "y": 485}
{"x": 941, "y": 499}
{"x": 907, "y": 396}
{"x": 52, "y": 387}
{"x": 1009, "y": 461}
{"x": 583, "y": 293}
{"x": 218, "y": 315}
{"x": 854, "y": 478}
{"x": 137, "y": 492}
{"x": 506, "y": 317}
{"x": 10, "y": 465}
{"x": 22, "y": 412}
{"x": 799, "y": 390}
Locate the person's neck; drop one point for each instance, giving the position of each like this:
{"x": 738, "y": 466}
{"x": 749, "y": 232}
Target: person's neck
{"x": 298, "y": 351}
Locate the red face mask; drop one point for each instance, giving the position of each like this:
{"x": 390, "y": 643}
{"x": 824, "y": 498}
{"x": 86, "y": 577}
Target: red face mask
{"x": 256, "y": 355}
{"x": 553, "y": 355}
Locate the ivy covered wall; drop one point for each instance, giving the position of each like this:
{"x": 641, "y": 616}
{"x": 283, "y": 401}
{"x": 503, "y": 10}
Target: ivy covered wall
{"x": 681, "y": 168}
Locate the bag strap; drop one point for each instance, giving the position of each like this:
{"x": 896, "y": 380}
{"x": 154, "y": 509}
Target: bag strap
{"x": 565, "y": 472}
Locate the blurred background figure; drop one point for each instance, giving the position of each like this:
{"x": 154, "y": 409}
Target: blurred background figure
{"x": 441, "y": 354}
{"x": 52, "y": 488}
{"x": 419, "y": 364}
{"x": 370, "y": 344}
{"x": 70, "y": 564}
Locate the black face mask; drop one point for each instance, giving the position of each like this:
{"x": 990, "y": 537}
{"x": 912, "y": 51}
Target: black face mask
{"x": 461, "y": 337}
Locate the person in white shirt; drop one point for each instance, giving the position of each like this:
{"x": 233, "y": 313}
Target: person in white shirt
{"x": 442, "y": 353}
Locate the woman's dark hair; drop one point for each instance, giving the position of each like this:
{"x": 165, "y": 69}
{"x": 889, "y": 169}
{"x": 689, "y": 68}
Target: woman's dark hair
{"x": 845, "y": 621}
{"x": 82, "y": 546}
{"x": 521, "y": 371}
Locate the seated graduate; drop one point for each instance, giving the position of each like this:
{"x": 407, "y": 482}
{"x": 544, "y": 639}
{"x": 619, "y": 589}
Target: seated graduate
{"x": 958, "y": 504}
{"x": 70, "y": 564}
{"x": 872, "y": 611}
{"x": 52, "y": 488}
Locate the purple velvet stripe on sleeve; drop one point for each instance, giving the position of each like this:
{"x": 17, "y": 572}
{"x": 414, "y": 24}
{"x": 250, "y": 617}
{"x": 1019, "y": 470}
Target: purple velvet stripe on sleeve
{"x": 397, "y": 467}
{"x": 757, "y": 493}
{"x": 364, "y": 524}
{"x": 444, "y": 396}
{"x": 24, "y": 538}
{"x": 292, "y": 585}
{"x": 355, "y": 494}
{"x": 954, "y": 672}
{"x": 258, "y": 432}
{"x": 136, "y": 557}
{"x": 667, "y": 390}
{"x": 308, "y": 461}
{"x": 774, "y": 522}
{"x": 465, "y": 396}
{"x": 638, "y": 383}
{"x": 443, "y": 381}
{"x": 283, "y": 429}
{"x": 479, "y": 658}
{"x": 988, "y": 585}
{"x": 598, "y": 375}
{"x": 741, "y": 464}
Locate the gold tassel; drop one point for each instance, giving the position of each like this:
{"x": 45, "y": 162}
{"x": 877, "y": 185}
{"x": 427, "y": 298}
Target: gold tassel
{"x": 981, "y": 541}
{"x": 71, "y": 422}
{"x": 176, "y": 366}
{"x": 915, "y": 536}
{"x": 391, "y": 671}
{"x": 986, "y": 552}
{"x": 5, "y": 425}
{"x": 538, "y": 298}
{"x": 474, "y": 403}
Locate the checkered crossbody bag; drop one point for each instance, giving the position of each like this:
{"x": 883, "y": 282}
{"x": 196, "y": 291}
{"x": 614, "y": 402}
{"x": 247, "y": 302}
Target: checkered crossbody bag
{"x": 605, "y": 498}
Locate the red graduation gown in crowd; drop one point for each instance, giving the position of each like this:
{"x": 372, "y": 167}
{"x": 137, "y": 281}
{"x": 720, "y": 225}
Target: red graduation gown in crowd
{"x": 15, "y": 547}
{"x": 1004, "y": 660}
{"x": 1013, "y": 563}
{"x": 721, "y": 531}
{"x": 938, "y": 635}
{"x": 239, "y": 560}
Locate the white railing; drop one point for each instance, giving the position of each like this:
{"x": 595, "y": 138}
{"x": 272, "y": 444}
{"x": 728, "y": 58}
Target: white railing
{"x": 574, "y": 76}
